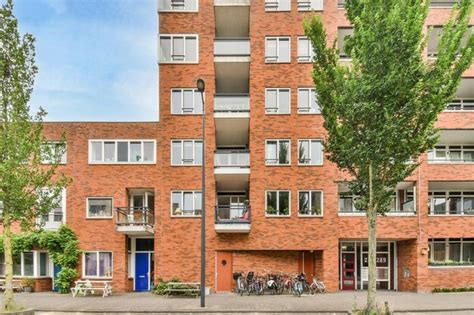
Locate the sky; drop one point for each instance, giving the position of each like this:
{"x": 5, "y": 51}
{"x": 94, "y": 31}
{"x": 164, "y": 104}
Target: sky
{"x": 97, "y": 59}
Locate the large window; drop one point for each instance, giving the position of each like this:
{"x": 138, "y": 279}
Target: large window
{"x": 342, "y": 34}
{"x": 307, "y": 101}
{"x": 277, "y": 49}
{"x": 277, "y": 202}
{"x": 305, "y": 49}
{"x": 186, "y": 203}
{"x": 435, "y": 36}
{"x": 308, "y": 5}
{"x": 99, "y": 207}
{"x": 310, "y": 203}
{"x": 451, "y": 202}
{"x": 179, "y": 48}
{"x": 186, "y": 101}
{"x": 447, "y": 252}
{"x": 310, "y": 152}
{"x": 178, "y": 5}
{"x": 277, "y": 101}
{"x": 27, "y": 264}
{"x": 56, "y": 216}
{"x": 186, "y": 152}
{"x": 53, "y": 152}
{"x": 122, "y": 151}
{"x": 97, "y": 264}
{"x": 452, "y": 154}
{"x": 277, "y": 152}
{"x": 277, "y": 5}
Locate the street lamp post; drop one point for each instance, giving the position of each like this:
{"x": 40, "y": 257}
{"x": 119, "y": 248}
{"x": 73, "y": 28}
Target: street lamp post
{"x": 201, "y": 87}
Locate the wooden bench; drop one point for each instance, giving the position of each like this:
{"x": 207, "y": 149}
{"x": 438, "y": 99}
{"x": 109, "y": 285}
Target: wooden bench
{"x": 86, "y": 287}
{"x": 16, "y": 285}
{"x": 185, "y": 288}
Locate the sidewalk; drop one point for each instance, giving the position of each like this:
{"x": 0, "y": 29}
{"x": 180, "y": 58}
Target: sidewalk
{"x": 331, "y": 303}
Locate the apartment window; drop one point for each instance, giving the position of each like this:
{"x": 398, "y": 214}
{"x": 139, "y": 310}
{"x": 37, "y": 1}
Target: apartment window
{"x": 342, "y": 34}
{"x": 277, "y": 152}
{"x": 277, "y": 203}
{"x": 178, "y": 5}
{"x": 341, "y": 3}
{"x": 452, "y": 154}
{"x": 277, "y": 5}
{"x": 277, "y": 49}
{"x": 99, "y": 207}
{"x": 310, "y": 152}
{"x": 186, "y": 101}
{"x": 347, "y": 203}
{"x": 27, "y": 264}
{"x": 122, "y": 151}
{"x": 186, "y": 203}
{"x": 443, "y": 3}
{"x": 308, "y": 5}
{"x": 56, "y": 216}
{"x": 307, "y": 101}
{"x": 97, "y": 264}
{"x": 310, "y": 203}
{"x": 43, "y": 265}
{"x": 186, "y": 152}
{"x": 435, "y": 33}
{"x": 52, "y": 152}
{"x": 461, "y": 104}
{"x": 179, "y": 48}
{"x": 446, "y": 252}
{"x": 305, "y": 49}
{"x": 451, "y": 202}
{"x": 277, "y": 100}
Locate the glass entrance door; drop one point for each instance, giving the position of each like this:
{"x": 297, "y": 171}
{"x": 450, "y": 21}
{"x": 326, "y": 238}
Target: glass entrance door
{"x": 348, "y": 271}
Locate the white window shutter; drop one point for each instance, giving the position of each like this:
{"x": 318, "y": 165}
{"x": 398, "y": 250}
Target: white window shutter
{"x": 191, "y": 49}
{"x": 165, "y": 48}
{"x": 284, "y": 50}
{"x": 317, "y": 5}
{"x": 284, "y": 101}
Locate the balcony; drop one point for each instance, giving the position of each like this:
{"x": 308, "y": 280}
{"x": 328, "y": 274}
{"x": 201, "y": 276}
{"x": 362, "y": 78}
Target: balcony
{"x": 232, "y": 103}
{"x": 232, "y": 117}
{"x": 451, "y": 198}
{"x": 237, "y": 47}
{"x": 135, "y": 221}
{"x": 51, "y": 221}
{"x": 232, "y": 159}
{"x": 232, "y": 219}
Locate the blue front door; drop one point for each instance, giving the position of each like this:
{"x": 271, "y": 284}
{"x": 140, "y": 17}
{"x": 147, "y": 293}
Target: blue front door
{"x": 142, "y": 266}
{"x": 57, "y": 269}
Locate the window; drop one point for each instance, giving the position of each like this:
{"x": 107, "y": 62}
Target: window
{"x": 310, "y": 203}
{"x": 186, "y": 152}
{"x": 308, "y": 5}
{"x": 446, "y": 252}
{"x": 277, "y": 203}
{"x": 56, "y": 216}
{"x": 52, "y": 152}
{"x": 122, "y": 151}
{"x": 97, "y": 265}
{"x": 277, "y": 101}
{"x": 451, "y": 202}
{"x": 305, "y": 49}
{"x": 434, "y": 36}
{"x": 461, "y": 104}
{"x": 452, "y": 154}
{"x": 342, "y": 33}
{"x": 186, "y": 203}
{"x": 277, "y": 5}
{"x": 186, "y": 101}
{"x": 310, "y": 152}
{"x": 277, "y": 152}
{"x": 179, "y": 48}
{"x": 443, "y": 3}
{"x": 99, "y": 207}
{"x": 307, "y": 101}
{"x": 178, "y": 5}
{"x": 277, "y": 49}
{"x": 43, "y": 264}
{"x": 341, "y": 3}
{"x": 27, "y": 264}
{"x": 347, "y": 203}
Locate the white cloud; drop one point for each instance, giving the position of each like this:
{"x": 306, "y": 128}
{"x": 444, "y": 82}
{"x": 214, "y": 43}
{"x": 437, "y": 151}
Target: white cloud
{"x": 59, "y": 6}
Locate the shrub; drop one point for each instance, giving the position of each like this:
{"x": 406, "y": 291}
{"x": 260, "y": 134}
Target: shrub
{"x": 448, "y": 290}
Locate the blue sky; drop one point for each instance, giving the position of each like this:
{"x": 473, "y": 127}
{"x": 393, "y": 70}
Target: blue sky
{"x": 96, "y": 58}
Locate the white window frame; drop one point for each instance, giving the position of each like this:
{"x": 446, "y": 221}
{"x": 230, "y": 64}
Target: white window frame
{"x": 182, "y": 192}
{"x": 447, "y": 242}
{"x": 278, "y": 152}
{"x": 344, "y": 57}
{"x": 182, "y": 151}
{"x": 278, "y": 203}
{"x": 101, "y": 217}
{"x": 303, "y": 5}
{"x": 278, "y": 89}
{"x": 447, "y": 148}
{"x": 310, "y": 54}
{"x": 184, "y": 61}
{"x": 97, "y": 252}
{"x": 179, "y": 11}
{"x": 276, "y": 59}
{"x": 142, "y": 141}
{"x": 63, "y": 160}
{"x": 310, "y": 152}
{"x": 311, "y": 191}
{"x": 50, "y": 226}
{"x": 271, "y": 7}
{"x": 308, "y": 112}
{"x": 431, "y": 197}
{"x": 181, "y": 90}
{"x": 36, "y": 264}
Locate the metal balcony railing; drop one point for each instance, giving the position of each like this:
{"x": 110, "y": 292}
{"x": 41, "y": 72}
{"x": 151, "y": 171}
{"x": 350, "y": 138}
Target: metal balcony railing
{"x": 232, "y": 46}
{"x": 461, "y": 104}
{"x": 232, "y": 158}
{"x": 132, "y": 216}
{"x": 229, "y": 214}
{"x": 231, "y": 103}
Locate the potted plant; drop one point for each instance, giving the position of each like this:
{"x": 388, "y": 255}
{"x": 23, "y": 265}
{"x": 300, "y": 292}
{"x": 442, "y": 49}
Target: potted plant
{"x": 27, "y": 284}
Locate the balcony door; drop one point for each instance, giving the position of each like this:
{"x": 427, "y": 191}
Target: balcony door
{"x": 231, "y": 206}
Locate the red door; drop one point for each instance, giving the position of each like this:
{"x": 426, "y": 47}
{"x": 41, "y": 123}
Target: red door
{"x": 306, "y": 264}
{"x": 224, "y": 271}
{"x": 348, "y": 271}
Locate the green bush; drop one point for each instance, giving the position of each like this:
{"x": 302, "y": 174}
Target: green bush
{"x": 65, "y": 278}
{"x": 160, "y": 288}
{"x": 448, "y": 290}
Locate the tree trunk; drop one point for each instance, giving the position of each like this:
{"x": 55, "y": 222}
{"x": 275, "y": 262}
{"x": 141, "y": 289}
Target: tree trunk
{"x": 9, "y": 304}
{"x": 372, "y": 226}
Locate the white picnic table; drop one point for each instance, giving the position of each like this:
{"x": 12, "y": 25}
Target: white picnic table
{"x": 16, "y": 284}
{"x": 87, "y": 286}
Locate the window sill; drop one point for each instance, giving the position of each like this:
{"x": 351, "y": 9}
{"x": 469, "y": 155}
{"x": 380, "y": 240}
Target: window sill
{"x": 185, "y": 216}
{"x": 178, "y": 62}
{"x": 99, "y": 218}
{"x": 282, "y": 114}
{"x": 278, "y": 62}
{"x": 95, "y": 278}
{"x": 310, "y": 215}
{"x": 449, "y": 163}
{"x": 451, "y": 215}
{"x": 451, "y": 267}
{"x": 305, "y": 165}
{"x": 344, "y": 214}
{"x": 276, "y": 11}
{"x": 272, "y": 165}
{"x": 176, "y": 114}
{"x": 310, "y": 10}
{"x": 302, "y": 113}
{"x": 187, "y": 165}
{"x": 277, "y": 216}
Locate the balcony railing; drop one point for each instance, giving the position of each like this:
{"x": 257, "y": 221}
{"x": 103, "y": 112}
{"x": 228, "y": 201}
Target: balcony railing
{"x": 349, "y": 207}
{"x": 232, "y": 158}
{"x": 231, "y": 214}
{"x": 135, "y": 216}
{"x": 232, "y": 46}
{"x": 231, "y": 103}
{"x": 50, "y": 221}
{"x": 462, "y": 104}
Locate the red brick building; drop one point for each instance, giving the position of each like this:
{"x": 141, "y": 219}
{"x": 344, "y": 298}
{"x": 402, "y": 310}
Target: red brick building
{"x": 273, "y": 202}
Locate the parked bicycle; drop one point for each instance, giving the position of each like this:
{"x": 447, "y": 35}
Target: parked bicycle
{"x": 240, "y": 283}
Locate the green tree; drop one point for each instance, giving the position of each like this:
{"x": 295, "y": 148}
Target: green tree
{"x": 380, "y": 110}
{"x": 28, "y": 189}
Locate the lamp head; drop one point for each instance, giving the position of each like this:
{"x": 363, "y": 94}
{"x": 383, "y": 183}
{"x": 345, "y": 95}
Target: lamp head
{"x": 201, "y": 86}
